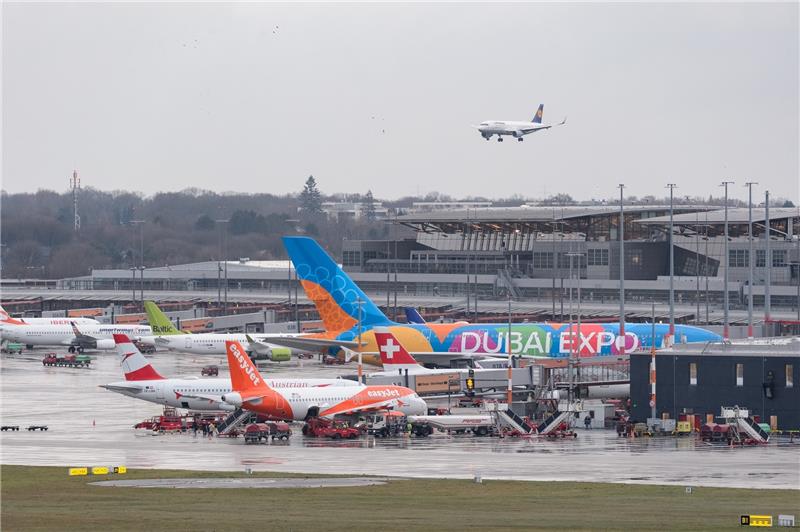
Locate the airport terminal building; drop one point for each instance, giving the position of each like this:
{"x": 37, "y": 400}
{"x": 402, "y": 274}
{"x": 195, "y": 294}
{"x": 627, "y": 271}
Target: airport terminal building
{"x": 536, "y": 253}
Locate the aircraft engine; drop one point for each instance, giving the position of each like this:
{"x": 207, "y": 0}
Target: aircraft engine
{"x": 517, "y": 134}
{"x": 233, "y": 398}
{"x": 105, "y": 344}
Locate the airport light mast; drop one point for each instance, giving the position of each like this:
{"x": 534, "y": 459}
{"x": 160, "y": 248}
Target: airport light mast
{"x": 750, "y": 257}
{"x": 671, "y": 187}
{"x": 767, "y": 262}
{"x": 509, "y": 360}
{"x": 726, "y": 323}
{"x": 621, "y": 337}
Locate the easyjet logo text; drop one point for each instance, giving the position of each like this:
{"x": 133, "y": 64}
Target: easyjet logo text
{"x": 245, "y": 364}
{"x": 383, "y": 394}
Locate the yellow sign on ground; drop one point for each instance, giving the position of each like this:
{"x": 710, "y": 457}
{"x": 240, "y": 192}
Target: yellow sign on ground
{"x": 756, "y": 520}
{"x": 120, "y": 470}
{"x": 76, "y": 471}
{"x": 99, "y": 471}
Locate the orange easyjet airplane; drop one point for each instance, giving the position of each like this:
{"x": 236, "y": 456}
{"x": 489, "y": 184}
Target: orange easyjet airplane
{"x": 250, "y": 392}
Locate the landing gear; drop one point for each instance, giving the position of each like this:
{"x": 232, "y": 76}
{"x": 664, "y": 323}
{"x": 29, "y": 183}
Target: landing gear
{"x": 487, "y": 138}
{"x": 80, "y": 350}
{"x": 520, "y": 139}
{"x": 71, "y": 349}
{"x": 499, "y": 138}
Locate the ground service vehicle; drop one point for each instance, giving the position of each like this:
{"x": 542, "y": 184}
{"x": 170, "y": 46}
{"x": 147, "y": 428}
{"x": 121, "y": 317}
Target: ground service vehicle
{"x": 69, "y": 361}
{"x": 255, "y": 432}
{"x": 211, "y": 371}
{"x": 323, "y": 428}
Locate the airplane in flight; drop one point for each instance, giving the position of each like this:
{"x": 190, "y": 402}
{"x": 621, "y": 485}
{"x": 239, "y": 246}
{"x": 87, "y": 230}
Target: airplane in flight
{"x": 142, "y": 381}
{"x": 89, "y": 336}
{"x": 516, "y": 129}
{"x": 337, "y": 299}
{"x": 6, "y": 319}
{"x": 252, "y": 392}
{"x": 258, "y": 346}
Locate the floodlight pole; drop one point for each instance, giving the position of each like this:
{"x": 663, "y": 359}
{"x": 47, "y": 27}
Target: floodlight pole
{"x": 360, "y": 365}
{"x": 671, "y": 187}
{"x": 653, "y": 364}
{"x": 509, "y": 394}
{"x": 750, "y": 257}
{"x": 767, "y": 262}
{"x": 621, "y": 337}
{"x": 726, "y": 323}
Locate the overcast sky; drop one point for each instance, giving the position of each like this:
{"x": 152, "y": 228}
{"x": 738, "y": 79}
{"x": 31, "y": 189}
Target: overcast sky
{"x": 255, "y": 97}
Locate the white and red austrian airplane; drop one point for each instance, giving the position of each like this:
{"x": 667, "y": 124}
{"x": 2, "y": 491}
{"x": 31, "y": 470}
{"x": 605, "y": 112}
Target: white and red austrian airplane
{"x": 252, "y": 392}
{"x": 142, "y": 381}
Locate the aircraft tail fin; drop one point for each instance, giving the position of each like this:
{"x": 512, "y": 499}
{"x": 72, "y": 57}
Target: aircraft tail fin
{"x": 413, "y": 316}
{"x": 537, "y": 118}
{"x": 244, "y": 374}
{"x": 135, "y": 366}
{"x": 333, "y": 292}
{"x": 159, "y": 322}
{"x": 393, "y": 354}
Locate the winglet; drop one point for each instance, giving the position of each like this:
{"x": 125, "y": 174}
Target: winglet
{"x": 563, "y": 121}
{"x": 244, "y": 374}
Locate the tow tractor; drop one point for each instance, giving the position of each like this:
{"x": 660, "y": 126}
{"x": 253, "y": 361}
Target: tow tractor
{"x": 385, "y": 424}
{"x": 68, "y": 361}
{"x": 324, "y": 428}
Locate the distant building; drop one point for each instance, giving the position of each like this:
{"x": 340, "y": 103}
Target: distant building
{"x": 353, "y": 210}
{"x": 430, "y": 206}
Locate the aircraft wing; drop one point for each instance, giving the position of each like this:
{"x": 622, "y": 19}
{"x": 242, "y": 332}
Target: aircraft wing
{"x": 304, "y": 343}
{"x": 83, "y": 340}
{"x": 203, "y": 397}
{"x": 526, "y": 130}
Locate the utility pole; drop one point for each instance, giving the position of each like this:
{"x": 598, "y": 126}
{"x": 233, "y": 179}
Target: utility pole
{"x": 360, "y": 366}
{"x": 573, "y": 353}
{"x": 140, "y": 223}
{"x": 509, "y": 360}
{"x": 671, "y": 187}
{"x": 621, "y": 337}
{"x": 767, "y": 263}
{"x": 224, "y": 267}
{"x": 653, "y": 366}
{"x": 726, "y": 323}
{"x": 750, "y": 257}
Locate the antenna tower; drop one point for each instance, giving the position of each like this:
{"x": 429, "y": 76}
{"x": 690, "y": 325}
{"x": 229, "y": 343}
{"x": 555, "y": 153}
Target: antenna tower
{"x": 75, "y": 185}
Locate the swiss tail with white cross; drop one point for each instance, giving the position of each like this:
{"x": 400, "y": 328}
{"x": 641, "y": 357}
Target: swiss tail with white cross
{"x": 394, "y": 356}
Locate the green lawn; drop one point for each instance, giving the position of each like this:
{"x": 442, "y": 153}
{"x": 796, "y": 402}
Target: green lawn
{"x": 45, "y": 498}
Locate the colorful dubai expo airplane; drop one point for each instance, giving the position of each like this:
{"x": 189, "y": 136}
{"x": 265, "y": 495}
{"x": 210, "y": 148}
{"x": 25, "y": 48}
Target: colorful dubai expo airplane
{"x": 338, "y": 298}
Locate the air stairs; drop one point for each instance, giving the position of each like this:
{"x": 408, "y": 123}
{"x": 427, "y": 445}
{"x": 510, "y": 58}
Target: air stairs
{"x": 746, "y": 427}
{"x": 237, "y": 418}
{"x": 511, "y": 419}
{"x": 508, "y": 282}
{"x": 552, "y": 423}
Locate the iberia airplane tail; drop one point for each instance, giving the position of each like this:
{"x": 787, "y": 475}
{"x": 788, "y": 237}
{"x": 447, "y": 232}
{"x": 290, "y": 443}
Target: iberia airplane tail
{"x": 333, "y": 292}
{"x": 5, "y": 318}
{"x": 134, "y": 364}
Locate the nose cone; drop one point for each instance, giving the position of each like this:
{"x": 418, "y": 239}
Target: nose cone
{"x": 418, "y": 407}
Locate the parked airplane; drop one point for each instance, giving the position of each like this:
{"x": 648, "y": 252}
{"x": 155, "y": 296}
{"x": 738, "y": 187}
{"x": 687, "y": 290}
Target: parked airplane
{"x": 142, "y": 381}
{"x": 88, "y": 336}
{"x": 252, "y": 392}
{"x": 258, "y": 346}
{"x": 6, "y": 319}
{"x": 337, "y": 299}
{"x": 515, "y": 129}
